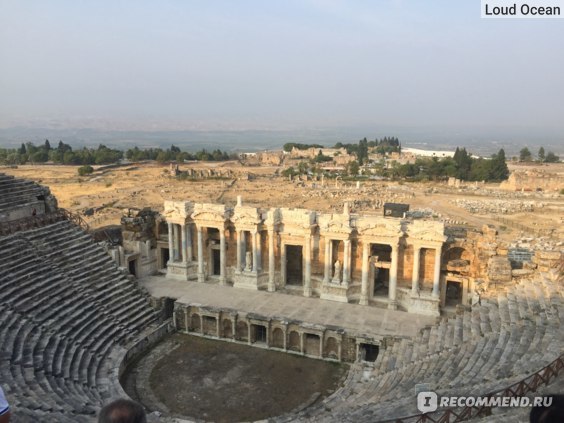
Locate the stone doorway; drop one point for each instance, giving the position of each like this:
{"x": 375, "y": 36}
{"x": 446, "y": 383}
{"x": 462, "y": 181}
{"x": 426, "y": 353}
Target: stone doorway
{"x": 216, "y": 264}
{"x": 381, "y": 255}
{"x": 259, "y": 334}
{"x": 453, "y": 295}
{"x": 381, "y": 281}
{"x": 294, "y": 265}
{"x": 368, "y": 352}
{"x": 165, "y": 256}
{"x": 312, "y": 344}
{"x": 133, "y": 267}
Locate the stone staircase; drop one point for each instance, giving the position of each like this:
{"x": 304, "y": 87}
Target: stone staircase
{"x": 15, "y": 192}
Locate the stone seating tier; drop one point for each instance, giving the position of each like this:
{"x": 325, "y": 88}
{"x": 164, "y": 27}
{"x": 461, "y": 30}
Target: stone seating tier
{"x": 475, "y": 352}
{"x": 66, "y": 309}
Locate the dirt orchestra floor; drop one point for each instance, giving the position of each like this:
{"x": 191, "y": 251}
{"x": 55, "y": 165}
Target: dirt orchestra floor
{"x": 197, "y": 378}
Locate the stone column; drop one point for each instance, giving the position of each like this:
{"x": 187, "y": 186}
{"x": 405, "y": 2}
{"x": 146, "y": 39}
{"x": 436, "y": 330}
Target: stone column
{"x": 327, "y": 275}
{"x": 346, "y": 261}
{"x": 239, "y": 250}
{"x": 175, "y": 241}
{"x": 259, "y": 251}
{"x": 186, "y": 322}
{"x": 392, "y": 289}
{"x": 170, "y": 244}
{"x": 437, "y": 274}
{"x": 183, "y": 244}
{"x": 200, "y": 255}
{"x": 365, "y": 270}
{"x": 234, "y": 327}
{"x": 307, "y": 275}
{"x": 189, "y": 253}
{"x": 321, "y": 346}
{"x": 302, "y": 349}
{"x": 416, "y": 265}
{"x": 255, "y": 251}
{"x": 222, "y": 269}
{"x": 271, "y": 285}
{"x": 283, "y": 264}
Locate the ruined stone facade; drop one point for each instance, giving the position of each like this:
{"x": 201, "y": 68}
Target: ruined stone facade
{"x": 413, "y": 265}
{"x": 533, "y": 180}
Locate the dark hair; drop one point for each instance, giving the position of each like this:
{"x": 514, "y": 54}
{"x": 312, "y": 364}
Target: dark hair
{"x": 122, "y": 411}
{"x": 551, "y": 414}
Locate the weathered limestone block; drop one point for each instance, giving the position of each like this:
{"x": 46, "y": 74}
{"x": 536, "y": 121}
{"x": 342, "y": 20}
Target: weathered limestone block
{"x": 499, "y": 269}
{"x": 548, "y": 255}
{"x": 518, "y": 273}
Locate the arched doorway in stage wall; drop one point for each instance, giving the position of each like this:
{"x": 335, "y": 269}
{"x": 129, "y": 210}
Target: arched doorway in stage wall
{"x": 277, "y": 338}
{"x": 294, "y": 341}
{"x": 331, "y": 348}
{"x": 242, "y": 331}
{"x": 227, "y": 328}
{"x": 312, "y": 344}
{"x": 195, "y": 322}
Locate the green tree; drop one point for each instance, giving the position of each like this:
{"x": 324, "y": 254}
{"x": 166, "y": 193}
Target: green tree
{"x": 352, "y": 168}
{"x": 22, "y": 149}
{"x": 39, "y": 156}
{"x": 362, "y": 153}
{"x": 289, "y": 172}
{"x": 541, "y": 155}
{"x": 525, "y": 155}
{"x": 551, "y": 158}
{"x": 498, "y": 170}
{"x": 463, "y": 162}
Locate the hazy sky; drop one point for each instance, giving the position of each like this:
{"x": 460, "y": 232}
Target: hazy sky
{"x": 278, "y": 64}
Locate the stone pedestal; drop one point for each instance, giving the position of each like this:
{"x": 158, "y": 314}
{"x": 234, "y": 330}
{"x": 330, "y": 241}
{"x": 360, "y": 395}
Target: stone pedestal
{"x": 334, "y": 292}
{"x": 250, "y": 280}
{"x": 183, "y": 271}
{"x": 424, "y": 303}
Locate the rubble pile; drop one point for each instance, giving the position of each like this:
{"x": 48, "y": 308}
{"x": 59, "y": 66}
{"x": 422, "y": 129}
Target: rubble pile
{"x": 496, "y": 206}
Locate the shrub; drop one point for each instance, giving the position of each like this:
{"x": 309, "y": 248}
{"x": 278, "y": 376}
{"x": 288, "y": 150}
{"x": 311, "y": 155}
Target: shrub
{"x": 85, "y": 170}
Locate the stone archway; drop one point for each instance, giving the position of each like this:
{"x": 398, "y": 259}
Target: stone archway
{"x": 242, "y": 331}
{"x": 195, "y": 323}
{"x": 294, "y": 341}
{"x": 331, "y": 348}
{"x": 312, "y": 344}
{"x": 277, "y": 338}
{"x": 227, "y": 328}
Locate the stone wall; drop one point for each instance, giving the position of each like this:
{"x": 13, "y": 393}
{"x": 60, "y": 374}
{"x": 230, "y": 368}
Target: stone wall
{"x": 533, "y": 180}
{"x": 295, "y": 337}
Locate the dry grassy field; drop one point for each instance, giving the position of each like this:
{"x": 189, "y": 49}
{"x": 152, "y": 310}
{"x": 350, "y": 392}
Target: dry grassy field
{"x": 109, "y": 191}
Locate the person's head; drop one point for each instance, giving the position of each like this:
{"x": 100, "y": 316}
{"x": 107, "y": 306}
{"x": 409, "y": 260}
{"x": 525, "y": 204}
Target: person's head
{"x": 553, "y": 413}
{"x": 122, "y": 411}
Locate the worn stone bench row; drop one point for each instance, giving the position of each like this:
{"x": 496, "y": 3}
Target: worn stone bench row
{"x": 475, "y": 352}
{"x": 65, "y": 306}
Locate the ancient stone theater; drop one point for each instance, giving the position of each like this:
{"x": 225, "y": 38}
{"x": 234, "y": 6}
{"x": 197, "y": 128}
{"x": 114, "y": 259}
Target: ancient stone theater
{"x": 409, "y": 304}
